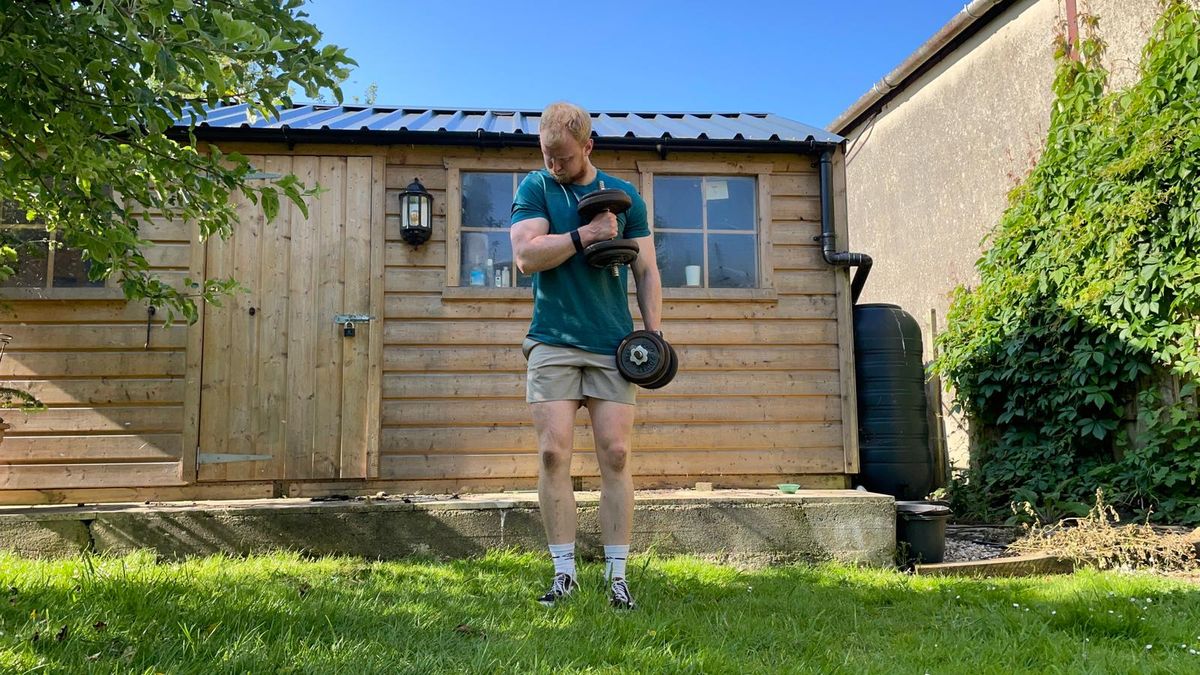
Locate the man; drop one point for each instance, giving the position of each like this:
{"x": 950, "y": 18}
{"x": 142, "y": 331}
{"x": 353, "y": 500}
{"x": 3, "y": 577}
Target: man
{"x": 580, "y": 315}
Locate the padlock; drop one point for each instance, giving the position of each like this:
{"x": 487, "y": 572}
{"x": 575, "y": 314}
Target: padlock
{"x": 348, "y": 329}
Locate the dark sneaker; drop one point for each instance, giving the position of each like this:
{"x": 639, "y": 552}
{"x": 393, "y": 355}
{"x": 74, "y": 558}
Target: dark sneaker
{"x": 620, "y": 597}
{"x": 562, "y": 586}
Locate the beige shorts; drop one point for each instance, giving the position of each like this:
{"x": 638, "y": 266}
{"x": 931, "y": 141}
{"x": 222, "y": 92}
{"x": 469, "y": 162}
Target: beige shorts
{"x": 567, "y": 374}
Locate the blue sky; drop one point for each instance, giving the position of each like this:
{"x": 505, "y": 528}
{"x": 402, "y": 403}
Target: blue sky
{"x": 806, "y": 60}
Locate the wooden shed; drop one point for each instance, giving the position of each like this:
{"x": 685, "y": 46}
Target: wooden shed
{"x": 264, "y": 395}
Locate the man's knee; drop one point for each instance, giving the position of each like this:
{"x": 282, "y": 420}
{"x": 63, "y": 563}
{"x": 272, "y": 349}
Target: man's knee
{"x": 555, "y": 459}
{"x": 615, "y": 455}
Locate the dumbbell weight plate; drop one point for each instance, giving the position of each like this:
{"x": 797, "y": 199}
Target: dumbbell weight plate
{"x": 603, "y": 200}
{"x": 668, "y": 375}
{"x": 642, "y": 357}
{"x": 611, "y": 252}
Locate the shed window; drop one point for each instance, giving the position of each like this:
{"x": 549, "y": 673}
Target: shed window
{"x": 486, "y": 256}
{"x": 706, "y": 232}
{"x": 42, "y": 262}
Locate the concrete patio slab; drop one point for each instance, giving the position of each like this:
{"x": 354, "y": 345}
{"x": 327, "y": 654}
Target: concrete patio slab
{"x": 741, "y": 526}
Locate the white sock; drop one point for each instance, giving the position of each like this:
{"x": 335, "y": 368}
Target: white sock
{"x": 563, "y": 556}
{"x": 614, "y": 561}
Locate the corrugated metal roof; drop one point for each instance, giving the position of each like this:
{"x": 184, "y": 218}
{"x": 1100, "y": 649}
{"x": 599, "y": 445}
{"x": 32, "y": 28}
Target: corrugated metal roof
{"x": 698, "y": 127}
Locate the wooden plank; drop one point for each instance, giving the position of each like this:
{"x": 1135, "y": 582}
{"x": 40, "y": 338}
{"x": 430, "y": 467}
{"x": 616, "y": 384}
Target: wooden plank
{"x": 375, "y": 357}
{"x": 159, "y": 230}
{"x": 845, "y": 318}
{"x": 169, "y": 255}
{"x": 417, "y": 440}
{"x": 795, "y": 208}
{"x": 330, "y": 287}
{"x": 419, "y": 280}
{"x": 805, "y": 257}
{"x": 72, "y": 337}
{"x": 352, "y": 462}
{"x": 691, "y": 463}
{"x": 474, "y": 412}
{"x": 407, "y": 307}
{"x": 687, "y": 384}
{"x": 241, "y": 349}
{"x": 76, "y": 449}
{"x": 453, "y": 227}
{"x": 103, "y": 391}
{"x": 54, "y": 365}
{"x": 137, "y": 494}
{"x": 429, "y": 254}
{"x": 62, "y": 476}
{"x": 193, "y": 362}
{"x": 682, "y": 333}
{"x": 302, "y": 326}
{"x": 767, "y": 263}
{"x": 271, "y": 387}
{"x": 817, "y": 282}
{"x": 130, "y": 419}
{"x": 217, "y": 330}
{"x": 72, "y": 311}
{"x": 509, "y": 359}
{"x": 706, "y": 168}
{"x": 433, "y": 177}
{"x": 796, "y": 185}
{"x": 796, "y": 232}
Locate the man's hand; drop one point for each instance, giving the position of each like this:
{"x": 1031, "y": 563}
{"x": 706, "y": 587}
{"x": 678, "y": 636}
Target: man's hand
{"x": 602, "y": 228}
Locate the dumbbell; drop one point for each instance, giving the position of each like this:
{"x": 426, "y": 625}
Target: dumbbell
{"x": 647, "y": 360}
{"x": 614, "y": 252}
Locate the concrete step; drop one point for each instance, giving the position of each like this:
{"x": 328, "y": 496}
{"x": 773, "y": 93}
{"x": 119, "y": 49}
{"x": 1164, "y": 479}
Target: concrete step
{"x": 740, "y": 526}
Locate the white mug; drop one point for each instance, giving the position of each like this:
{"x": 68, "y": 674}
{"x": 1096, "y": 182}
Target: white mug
{"x": 691, "y": 275}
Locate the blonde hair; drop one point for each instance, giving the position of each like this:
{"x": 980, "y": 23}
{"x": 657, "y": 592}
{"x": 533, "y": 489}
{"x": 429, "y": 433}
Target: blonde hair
{"x": 562, "y": 119}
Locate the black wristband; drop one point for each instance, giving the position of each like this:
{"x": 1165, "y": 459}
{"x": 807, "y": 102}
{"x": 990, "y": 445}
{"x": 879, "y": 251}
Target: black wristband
{"x": 577, "y": 241}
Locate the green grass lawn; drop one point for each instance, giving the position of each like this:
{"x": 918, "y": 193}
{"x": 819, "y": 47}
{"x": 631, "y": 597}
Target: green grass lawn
{"x": 284, "y": 613}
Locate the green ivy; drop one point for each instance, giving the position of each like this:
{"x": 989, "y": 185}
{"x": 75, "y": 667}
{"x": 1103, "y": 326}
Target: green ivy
{"x": 1088, "y": 304}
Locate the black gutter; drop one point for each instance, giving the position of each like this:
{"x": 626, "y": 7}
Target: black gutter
{"x": 829, "y": 240}
{"x": 488, "y": 140}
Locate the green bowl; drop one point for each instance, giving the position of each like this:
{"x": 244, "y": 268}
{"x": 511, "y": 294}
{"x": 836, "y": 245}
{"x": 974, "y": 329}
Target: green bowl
{"x": 788, "y": 488}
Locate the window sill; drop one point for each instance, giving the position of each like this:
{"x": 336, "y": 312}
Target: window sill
{"x": 471, "y": 293}
{"x": 62, "y": 294}
{"x": 722, "y": 294}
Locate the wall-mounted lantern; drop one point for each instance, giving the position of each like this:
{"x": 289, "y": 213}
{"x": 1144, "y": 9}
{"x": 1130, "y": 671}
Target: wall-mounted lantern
{"x": 416, "y": 214}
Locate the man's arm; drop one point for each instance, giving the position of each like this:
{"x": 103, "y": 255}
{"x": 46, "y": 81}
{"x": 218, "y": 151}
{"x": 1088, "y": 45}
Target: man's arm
{"x": 649, "y": 283}
{"x": 535, "y": 249}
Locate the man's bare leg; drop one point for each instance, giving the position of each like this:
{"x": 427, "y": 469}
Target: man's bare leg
{"x": 612, "y": 425}
{"x": 554, "y": 422}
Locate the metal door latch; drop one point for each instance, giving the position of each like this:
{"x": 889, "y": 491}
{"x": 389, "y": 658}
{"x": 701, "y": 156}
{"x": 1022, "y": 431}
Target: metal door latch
{"x": 348, "y": 320}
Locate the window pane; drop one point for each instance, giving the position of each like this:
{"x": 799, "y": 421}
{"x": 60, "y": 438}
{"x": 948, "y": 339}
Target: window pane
{"x": 486, "y": 199}
{"x": 733, "y": 261}
{"x": 32, "y": 248}
{"x": 675, "y": 253}
{"x": 730, "y": 203}
{"x": 71, "y": 270}
{"x": 677, "y": 202}
{"x": 478, "y": 248}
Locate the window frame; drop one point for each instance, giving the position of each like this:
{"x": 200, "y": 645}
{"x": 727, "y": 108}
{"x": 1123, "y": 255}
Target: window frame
{"x": 761, "y": 173}
{"x": 50, "y": 291}
{"x": 454, "y": 170}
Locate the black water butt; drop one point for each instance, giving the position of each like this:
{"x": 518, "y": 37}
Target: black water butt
{"x": 893, "y": 433}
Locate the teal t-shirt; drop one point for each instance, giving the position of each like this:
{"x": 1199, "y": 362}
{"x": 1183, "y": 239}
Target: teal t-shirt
{"x": 575, "y": 304}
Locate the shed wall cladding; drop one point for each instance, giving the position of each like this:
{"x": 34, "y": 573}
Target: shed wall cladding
{"x": 115, "y": 402}
{"x": 758, "y": 396}
{"x": 759, "y": 399}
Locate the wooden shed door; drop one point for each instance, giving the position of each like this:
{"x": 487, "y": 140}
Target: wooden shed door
{"x": 284, "y": 394}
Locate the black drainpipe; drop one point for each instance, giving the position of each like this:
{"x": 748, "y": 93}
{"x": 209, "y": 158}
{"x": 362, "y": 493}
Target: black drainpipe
{"x": 829, "y": 241}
